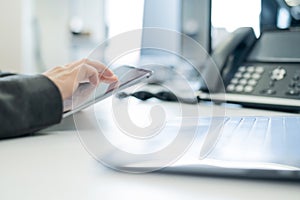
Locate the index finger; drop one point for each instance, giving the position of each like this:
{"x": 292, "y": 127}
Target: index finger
{"x": 100, "y": 67}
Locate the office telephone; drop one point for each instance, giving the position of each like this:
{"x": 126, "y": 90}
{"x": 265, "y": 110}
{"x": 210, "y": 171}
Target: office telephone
{"x": 257, "y": 72}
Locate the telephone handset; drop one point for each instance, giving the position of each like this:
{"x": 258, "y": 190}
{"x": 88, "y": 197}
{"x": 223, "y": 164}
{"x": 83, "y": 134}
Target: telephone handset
{"x": 257, "y": 72}
{"x": 230, "y": 52}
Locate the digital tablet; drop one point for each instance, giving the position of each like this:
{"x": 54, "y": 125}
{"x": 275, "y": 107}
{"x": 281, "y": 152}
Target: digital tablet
{"x": 86, "y": 95}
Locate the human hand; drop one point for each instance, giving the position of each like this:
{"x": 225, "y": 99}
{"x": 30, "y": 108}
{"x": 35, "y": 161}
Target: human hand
{"x": 68, "y": 77}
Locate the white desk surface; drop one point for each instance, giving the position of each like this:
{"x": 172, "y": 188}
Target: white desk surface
{"x": 54, "y": 165}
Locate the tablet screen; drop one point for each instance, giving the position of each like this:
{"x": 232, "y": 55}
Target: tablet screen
{"x": 87, "y": 95}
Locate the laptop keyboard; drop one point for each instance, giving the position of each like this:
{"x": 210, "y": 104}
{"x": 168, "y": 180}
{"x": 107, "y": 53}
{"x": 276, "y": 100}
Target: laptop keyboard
{"x": 266, "y": 139}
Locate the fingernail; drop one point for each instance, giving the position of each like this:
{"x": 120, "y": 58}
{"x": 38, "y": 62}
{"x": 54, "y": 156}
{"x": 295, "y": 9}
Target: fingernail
{"x": 111, "y": 77}
{"x": 107, "y": 73}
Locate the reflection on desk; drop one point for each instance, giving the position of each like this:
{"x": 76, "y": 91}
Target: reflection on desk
{"x": 53, "y": 164}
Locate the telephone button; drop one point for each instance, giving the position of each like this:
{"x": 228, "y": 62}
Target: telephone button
{"x": 247, "y": 75}
{"x": 296, "y": 78}
{"x": 256, "y": 76}
{"x": 278, "y": 74}
{"x": 248, "y": 89}
{"x": 230, "y": 88}
{"x": 259, "y": 69}
{"x": 251, "y": 69}
{"x": 269, "y": 91}
{"x": 252, "y": 82}
{"x": 238, "y": 75}
{"x": 272, "y": 83}
{"x": 242, "y": 69}
{"x": 234, "y": 81}
{"x": 243, "y": 81}
{"x": 293, "y": 92}
{"x": 239, "y": 88}
{"x": 292, "y": 84}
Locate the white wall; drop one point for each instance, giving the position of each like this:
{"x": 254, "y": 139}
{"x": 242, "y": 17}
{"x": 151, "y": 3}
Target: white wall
{"x": 29, "y": 62}
{"x": 10, "y": 36}
{"x": 31, "y": 28}
{"x": 35, "y": 34}
{"x": 52, "y": 33}
{"x": 89, "y": 21}
{"x": 55, "y": 42}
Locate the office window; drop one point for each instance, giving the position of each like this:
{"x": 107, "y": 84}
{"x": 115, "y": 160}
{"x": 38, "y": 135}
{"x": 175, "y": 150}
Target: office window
{"x": 122, "y": 16}
{"x": 229, "y": 15}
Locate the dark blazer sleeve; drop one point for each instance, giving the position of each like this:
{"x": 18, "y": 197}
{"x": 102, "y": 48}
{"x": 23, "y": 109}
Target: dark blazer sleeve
{"x": 28, "y": 103}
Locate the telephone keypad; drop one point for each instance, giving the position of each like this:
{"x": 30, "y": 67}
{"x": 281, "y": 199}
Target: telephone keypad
{"x": 263, "y": 79}
{"x": 245, "y": 79}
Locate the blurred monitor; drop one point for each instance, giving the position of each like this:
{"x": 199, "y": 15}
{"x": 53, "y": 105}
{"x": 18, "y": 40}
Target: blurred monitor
{"x": 160, "y": 15}
{"x": 189, "y": 17}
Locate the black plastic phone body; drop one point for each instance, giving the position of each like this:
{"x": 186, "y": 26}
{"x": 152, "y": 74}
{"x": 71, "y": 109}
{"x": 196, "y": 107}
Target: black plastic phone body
{"x": 263, "y": 72}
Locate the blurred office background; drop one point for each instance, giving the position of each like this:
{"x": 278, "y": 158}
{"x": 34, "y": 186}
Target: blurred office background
{"x": 39, "y": 34}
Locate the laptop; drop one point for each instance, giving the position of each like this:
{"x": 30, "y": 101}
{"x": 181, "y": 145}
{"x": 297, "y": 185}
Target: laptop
{"x": 262, "y": 147}
{"x": 252, "y": 147}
